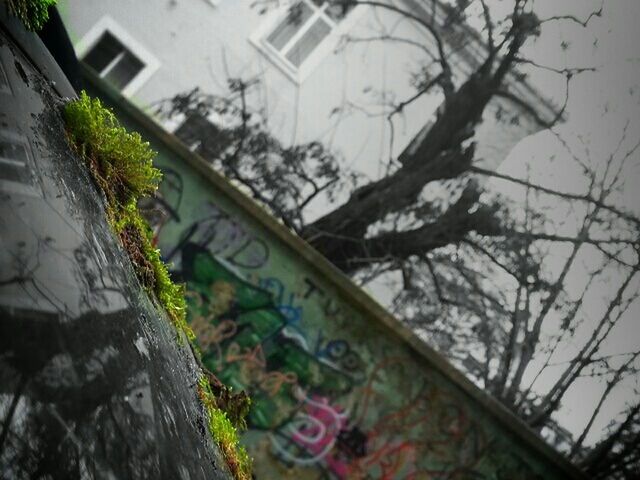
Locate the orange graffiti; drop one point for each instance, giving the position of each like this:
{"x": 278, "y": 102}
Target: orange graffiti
{"x": 253, "y": 366}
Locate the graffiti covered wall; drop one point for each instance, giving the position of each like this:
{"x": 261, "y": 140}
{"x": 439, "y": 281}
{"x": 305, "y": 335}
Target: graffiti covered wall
{"x": 335, "y": 395}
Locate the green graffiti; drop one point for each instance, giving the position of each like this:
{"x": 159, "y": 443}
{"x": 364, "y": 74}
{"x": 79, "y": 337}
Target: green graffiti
{"x": 243, "y": 340}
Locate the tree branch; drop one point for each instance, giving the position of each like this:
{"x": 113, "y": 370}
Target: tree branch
{"x": 574, "y": 19}
{"x": 566, "y": 195}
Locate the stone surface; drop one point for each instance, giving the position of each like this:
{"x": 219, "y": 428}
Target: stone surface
{"x": 93, "y": 383}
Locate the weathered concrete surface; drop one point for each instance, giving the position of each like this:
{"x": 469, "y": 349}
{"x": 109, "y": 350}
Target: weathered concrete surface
{"x": 92, "y": 381}
{"x": 339, "y": 388}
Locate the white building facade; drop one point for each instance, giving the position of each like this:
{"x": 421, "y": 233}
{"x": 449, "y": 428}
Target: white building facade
{"x": 325, "y": 74}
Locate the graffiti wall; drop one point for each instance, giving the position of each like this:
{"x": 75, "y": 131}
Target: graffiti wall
{"x": 335, "y": 395}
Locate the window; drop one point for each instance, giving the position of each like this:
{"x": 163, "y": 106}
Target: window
{"x": 119, "y": 58}
{"x": 306, "y": 24}
{"x": 113, "y": 61}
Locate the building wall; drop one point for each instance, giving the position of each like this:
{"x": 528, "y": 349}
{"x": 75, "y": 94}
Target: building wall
{"x": 341, "y": 100}
{"x": 335, "y": 392}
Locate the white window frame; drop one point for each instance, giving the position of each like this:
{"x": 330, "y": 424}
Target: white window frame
{"x": 278, "y": 57}
{"x": 108, "y": 24}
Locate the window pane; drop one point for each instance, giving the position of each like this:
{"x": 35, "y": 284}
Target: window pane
{"x": 298, "y": 15}
{"x": 124, "y": 71}
{"x": 103, "y": 52}
{"x": 310, "y": 40}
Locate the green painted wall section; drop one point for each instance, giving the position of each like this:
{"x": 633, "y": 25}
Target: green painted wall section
{"x": 335, "y": 394}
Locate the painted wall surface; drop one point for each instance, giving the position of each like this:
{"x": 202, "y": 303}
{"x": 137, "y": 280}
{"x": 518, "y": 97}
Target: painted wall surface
{"x": 341, "y": 101}
{"x": 336, "y": 395}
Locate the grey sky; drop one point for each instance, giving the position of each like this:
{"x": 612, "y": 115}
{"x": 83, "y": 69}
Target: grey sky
{"x": 600, "y": 105}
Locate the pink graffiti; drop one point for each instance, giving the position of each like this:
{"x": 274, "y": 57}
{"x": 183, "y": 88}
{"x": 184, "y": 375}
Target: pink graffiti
{"x": 316, "y": 429}
{"x": 319, "y": 435}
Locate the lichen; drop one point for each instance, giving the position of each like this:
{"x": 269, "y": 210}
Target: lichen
{"x": 32, "y": 13}
{"x": 121, "y": 164}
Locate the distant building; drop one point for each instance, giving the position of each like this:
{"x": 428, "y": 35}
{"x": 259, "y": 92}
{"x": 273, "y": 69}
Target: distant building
{"x": 320, "y": 77}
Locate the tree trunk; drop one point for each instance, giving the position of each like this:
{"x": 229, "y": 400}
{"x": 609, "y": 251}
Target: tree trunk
{"x": 439, "y": 156}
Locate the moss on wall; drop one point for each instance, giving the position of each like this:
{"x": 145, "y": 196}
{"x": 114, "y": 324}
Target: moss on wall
{"x": 120, "y": 163}
{"x": 32, "y": 13}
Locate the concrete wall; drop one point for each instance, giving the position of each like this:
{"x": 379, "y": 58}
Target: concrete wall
{"x": 339, "y": 388}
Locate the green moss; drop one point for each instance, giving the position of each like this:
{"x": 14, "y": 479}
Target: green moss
{"x": 32, "y": 13}
{"x": 122, "y": 160}
{"x": 121, "y": 165}
{"x": 235, "y": 405}
{"x": 226, "y": 434}
{"x": 150, "y": 269}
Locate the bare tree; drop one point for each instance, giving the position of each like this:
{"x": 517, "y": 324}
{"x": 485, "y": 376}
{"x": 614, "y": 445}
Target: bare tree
{"x": 474, "y": 267}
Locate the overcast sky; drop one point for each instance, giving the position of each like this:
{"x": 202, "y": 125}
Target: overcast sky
{"x": 600, "y": 105}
